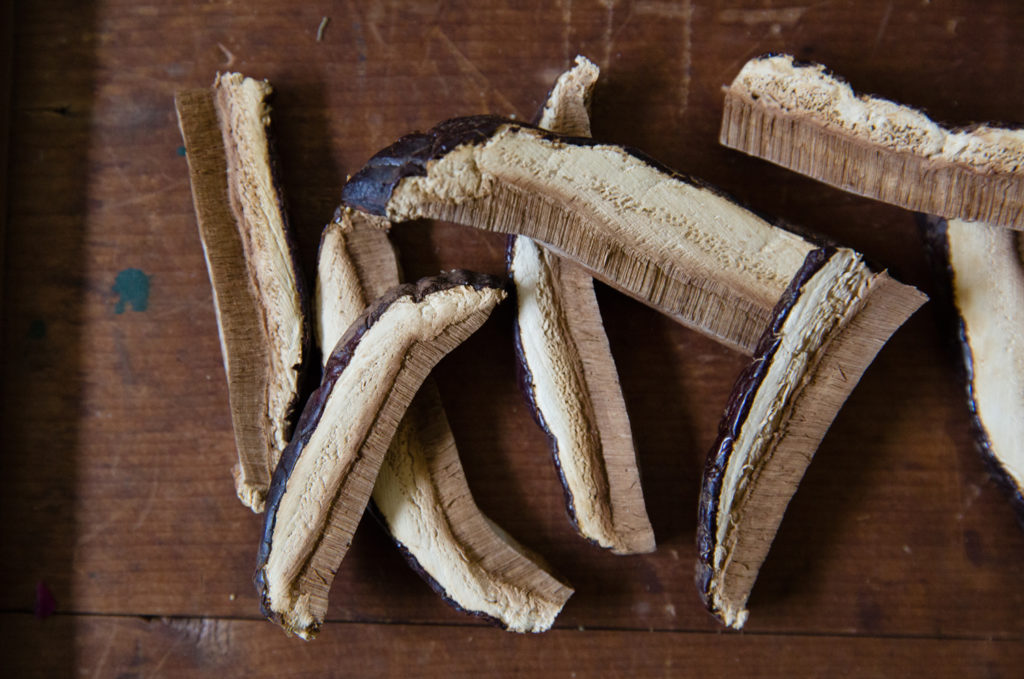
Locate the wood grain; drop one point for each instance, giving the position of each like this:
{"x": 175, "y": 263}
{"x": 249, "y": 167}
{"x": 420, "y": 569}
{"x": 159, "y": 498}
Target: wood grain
{"x": 116, "y": 433}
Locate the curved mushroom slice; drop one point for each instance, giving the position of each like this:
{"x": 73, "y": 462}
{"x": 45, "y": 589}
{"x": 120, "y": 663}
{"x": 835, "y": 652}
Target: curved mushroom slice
{"x": 826, "y": 329}
{"x": 984, "y": 269}
{"x": 668, "y": 240}
{"x": 803, "y": 118}
{"x": 421, "y": 491}
{"x": 258, "y": 294}
{"x": 325, "y": 477}
{"x": 569, "y": 376}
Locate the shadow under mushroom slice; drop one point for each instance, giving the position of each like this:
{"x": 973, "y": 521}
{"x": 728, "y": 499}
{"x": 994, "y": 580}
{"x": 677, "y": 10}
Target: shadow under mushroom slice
{"x": 258, "y": 292}
{"x": 327, "y": 473}
{"x": 421, "y": 493}
{"x": 803, "y": 118}
{"x": 568, "y": 372}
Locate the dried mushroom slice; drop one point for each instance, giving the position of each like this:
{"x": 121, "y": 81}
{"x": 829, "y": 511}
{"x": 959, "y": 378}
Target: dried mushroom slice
{"x": 328, "y": 470}
{"x": 568, "y": 373}
{"x": 421, "y": 493}
{"x": 826, "y": 329}
{"x": 666, "y": 239}
{"x": 258, "y": 294}
{"x": 984, "y": 273}
{"x": 803, "y": 118}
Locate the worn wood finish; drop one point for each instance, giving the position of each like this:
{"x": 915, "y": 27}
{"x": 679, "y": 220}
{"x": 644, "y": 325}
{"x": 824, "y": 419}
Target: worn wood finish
{"x": 116, "y": 433}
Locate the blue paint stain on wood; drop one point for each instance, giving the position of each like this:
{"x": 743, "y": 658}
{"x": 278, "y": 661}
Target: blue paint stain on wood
{"x": 181, "y": 151}
{"x": 133, "y": 287}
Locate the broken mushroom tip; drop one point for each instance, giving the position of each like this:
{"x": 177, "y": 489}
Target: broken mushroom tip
{"x": 800, "y": 116}
{"x": 258, "y": 292}
{"x": 980, "y": 276}
{"x": 652, "y": 233}
{"x": 827, "y": 327}
{"x": 324, "y": 480}
{"x": 565, "y": 366}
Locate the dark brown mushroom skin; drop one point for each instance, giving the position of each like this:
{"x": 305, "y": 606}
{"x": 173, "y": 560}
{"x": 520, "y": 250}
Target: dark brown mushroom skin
{"x": 936, "y": 244}
{"x": 313, "y": 410}
{"x": 735, "y": 415}
{"x": 370, "y": 189}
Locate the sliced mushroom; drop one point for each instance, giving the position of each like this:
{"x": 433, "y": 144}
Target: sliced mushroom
{"x": 803, "y": 118}
{"x": 258, "y": 293}
{"x": 328, "y": 470}
{"x": 834, "y": 317}
{"x": 985, "y": 274}
{"x": 568, "y": 372}
{"x": 668, "y": 240}
{"x": 421, "y": 492}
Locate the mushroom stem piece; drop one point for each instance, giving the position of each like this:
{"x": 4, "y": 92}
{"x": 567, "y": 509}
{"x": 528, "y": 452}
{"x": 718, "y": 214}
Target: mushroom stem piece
{"x": 421, "y": 493}
{"x": 668, "y": 240}
{"x": 327, "y": 472}
{"x": 984, "y": 275}
{"x": 568, "y": 372}
{"x": 803, "y": 118}
{"x": 257, "y": 290}
{"x": 828, "y": 326}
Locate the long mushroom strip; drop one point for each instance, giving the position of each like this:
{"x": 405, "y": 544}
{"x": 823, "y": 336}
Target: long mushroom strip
{"x": 666, "y": 239}
{"x": 984, "y": 273}
{"x": 566, "y": 363}
{"x": 828, "y": 326}
{"x": 803, "y": 118}
{"x": 683, "y": 248}
{"x": 328, "y": 470}
{"x": 421, "y": 492}
{"x": 257, "y": 290}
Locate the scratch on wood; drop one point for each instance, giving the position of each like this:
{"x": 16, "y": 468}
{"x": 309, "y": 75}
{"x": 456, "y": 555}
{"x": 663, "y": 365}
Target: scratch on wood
{"x": 229, "y": 58}
{"x": 609, "y": 6}
{"x": 321, "y": 28}
{"x": 786, "y": 16}
{"x": 676, "y": 10}
{"x": 566, "y": 28}
{"x": 97, "y": 671}
{"x": 882, "y": 25}
{"x": 468, "y": 67}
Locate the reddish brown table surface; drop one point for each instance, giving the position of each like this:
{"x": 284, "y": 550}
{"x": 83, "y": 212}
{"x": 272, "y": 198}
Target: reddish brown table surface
{"x": 898, "y": 556}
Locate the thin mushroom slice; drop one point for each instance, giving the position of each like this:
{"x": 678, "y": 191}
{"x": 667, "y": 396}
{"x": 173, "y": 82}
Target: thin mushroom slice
{"x": 803, "y": 118}
{"x": 984, "y": 275}
{"x": 421, "y": 493}
{"x": 826, "y": 329}
{"x": 328, "y": 470}
{"x": 258, "y": 293}
{"x": 567, "y": 369}
{"x": 665, "y": 239}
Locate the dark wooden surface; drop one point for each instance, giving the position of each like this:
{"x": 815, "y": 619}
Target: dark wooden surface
{"x": 898, "y": 555}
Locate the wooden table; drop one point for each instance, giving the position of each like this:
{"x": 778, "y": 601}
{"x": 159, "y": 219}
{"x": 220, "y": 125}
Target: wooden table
{"x": 898, "y": 556}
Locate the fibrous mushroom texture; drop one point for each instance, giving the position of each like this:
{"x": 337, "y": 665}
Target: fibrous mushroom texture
{"x": 828, "y": 326}
{"x": 985, "y": 273}
{"x": 805, "y": 119}
{"x": 688, "y": 250}
{"x": 421, "y": 493}
{"x": 327, "y": 472}
{"x": 258, "y": 293}
{"x": 568, "y": 372}
{"x": 668, "y": 240}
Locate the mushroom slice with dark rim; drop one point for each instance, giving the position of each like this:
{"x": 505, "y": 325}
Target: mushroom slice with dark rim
{"x": 834, "y": 317}
{"x": 684, "y": 248}
{"x": 327, "y": 472}
{"x": 803, "y": 118}
{"x": 567, "y": 369}
{"x": 421, "y": 493}
{"x": 257, "y": 290}
{"x": 984, "y": 275}
{"x": 668, "y": 240}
